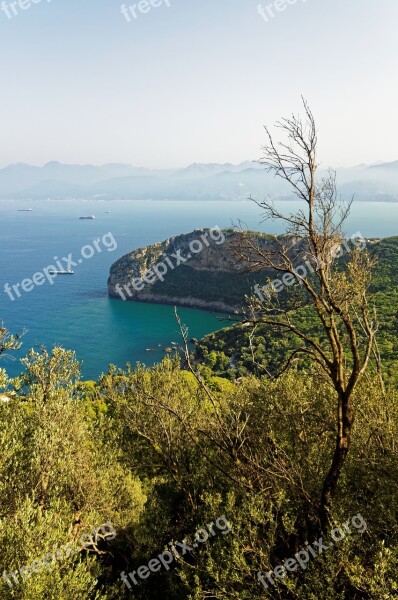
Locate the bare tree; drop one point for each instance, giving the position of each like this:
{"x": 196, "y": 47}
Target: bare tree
{"x": 337, "y": 295}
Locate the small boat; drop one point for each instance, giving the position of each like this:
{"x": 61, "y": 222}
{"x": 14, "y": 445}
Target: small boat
{"x": 67, "y": 272}
{"x": 25, "y": 209}
{"x": 89, "y": 218}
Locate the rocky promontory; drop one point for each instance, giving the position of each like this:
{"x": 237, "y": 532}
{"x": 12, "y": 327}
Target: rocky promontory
{"x": 199, "y": 269}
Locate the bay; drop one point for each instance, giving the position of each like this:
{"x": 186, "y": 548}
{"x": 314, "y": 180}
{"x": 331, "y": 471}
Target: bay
{"x": 75, "y": 311}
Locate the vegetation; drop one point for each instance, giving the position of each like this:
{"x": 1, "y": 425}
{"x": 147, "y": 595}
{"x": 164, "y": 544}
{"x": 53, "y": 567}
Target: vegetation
{"x": 238, "y": 351}
{"x": 229, "y": 288}
{"x": 159, "y": 454}
{"x": 289, "y": 454}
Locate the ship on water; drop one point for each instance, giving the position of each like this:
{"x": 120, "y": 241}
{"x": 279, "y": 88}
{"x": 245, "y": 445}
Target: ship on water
{"x": 67, "y": 272}
{"x": 89, "y": 218}
{"x": 25, "y": 209}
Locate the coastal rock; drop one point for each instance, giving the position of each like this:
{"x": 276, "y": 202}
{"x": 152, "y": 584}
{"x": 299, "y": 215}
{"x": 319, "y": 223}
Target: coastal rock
{"x": 199, "y": 269}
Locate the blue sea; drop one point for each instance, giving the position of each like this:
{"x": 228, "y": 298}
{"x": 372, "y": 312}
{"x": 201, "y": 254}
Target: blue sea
{"x": 76, "y": 313}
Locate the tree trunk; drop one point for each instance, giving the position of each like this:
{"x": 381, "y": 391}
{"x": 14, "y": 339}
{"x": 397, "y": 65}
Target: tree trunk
{"x": 345, "y": 422}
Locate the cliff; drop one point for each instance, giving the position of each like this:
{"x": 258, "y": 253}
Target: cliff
{"x": 198, "y": 269}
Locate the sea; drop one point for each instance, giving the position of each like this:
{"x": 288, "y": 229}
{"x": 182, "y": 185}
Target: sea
{"x": 76, "y": 313}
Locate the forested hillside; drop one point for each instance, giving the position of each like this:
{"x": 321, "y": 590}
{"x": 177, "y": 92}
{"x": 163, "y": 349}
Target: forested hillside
{"x": 277, "y": 480}
{"x": 157, "y": 456}
{"x": 240, "y": 350}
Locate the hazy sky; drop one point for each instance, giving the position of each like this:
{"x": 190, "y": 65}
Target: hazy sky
{"x": 196, "y": 81}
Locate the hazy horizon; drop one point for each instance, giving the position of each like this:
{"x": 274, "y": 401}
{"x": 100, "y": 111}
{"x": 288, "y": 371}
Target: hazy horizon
{"x": 195, "y": 81}
{"x": 182, "y": 166}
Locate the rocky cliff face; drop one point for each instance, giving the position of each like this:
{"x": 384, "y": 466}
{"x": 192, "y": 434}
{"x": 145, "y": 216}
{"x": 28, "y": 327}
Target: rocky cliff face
{"x": 198, "y": 269}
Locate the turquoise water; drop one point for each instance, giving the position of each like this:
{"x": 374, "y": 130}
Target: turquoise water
{"x": 76, "y": 312}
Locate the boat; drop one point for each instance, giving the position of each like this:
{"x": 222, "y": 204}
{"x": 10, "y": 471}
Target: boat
{"x": 67, "y": 272}
{"x": 89, "y": 218}
{"x": 25, "y": 209}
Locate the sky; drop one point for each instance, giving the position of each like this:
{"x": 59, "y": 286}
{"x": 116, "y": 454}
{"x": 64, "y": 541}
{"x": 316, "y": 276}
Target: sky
{"x": 195, "y": 81}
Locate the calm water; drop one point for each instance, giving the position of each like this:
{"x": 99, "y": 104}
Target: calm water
{"x": 76, "y": 312}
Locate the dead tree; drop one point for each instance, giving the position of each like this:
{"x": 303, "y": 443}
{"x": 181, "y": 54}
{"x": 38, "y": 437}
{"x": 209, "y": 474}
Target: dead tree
{"x": 338, "y": 295}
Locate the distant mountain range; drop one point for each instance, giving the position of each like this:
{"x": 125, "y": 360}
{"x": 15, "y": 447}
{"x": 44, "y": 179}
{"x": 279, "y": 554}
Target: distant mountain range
{"x": 211, "y": 181}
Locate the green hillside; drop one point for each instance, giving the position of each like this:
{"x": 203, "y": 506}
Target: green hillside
{"x": 239, "y": 350}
